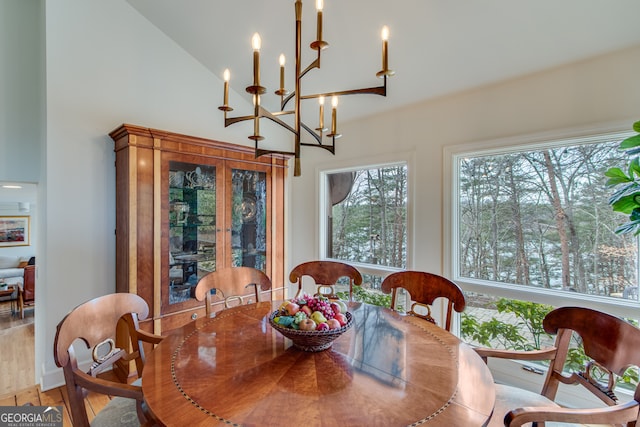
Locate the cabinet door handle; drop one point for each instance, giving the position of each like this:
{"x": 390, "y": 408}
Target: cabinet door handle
{"x": 194, "y": 316}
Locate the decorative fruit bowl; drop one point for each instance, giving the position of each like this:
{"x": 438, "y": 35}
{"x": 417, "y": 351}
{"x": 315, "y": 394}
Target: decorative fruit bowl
{"x": 312, "y": 323}
{"x": 311, "y": 340}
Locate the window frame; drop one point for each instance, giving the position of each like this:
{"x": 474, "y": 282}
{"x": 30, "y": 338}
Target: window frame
{"x": 405, "y": 159}
{"x": 451, "y": 156}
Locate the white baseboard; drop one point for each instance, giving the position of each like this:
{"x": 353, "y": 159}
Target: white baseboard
{"x": 51, "y": 379}
{"x": 55, "y": 377}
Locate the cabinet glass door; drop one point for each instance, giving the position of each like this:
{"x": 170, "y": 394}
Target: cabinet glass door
{"x": 249, "y": 219}
{"x": 192, "y": 227}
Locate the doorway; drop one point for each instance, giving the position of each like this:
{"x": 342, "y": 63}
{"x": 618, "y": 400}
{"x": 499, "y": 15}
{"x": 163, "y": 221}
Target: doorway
{"x": 18, "y": 242}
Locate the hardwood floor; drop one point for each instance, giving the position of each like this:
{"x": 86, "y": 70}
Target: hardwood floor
{"x": 54, "y": 397}
{"x": 18, "y": 355}
{"x": 17, "y": 377}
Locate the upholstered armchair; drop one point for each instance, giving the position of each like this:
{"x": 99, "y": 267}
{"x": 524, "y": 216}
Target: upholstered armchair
{"x": 27, "y": 293}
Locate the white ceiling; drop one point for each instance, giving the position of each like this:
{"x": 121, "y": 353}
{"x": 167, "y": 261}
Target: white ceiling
{"x": 436, "y": 47}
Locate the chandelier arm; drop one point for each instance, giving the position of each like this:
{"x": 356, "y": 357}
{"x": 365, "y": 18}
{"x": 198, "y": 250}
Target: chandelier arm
{"x": 268, "y": 115}
{"x": 262, "y": 152}
{"x": 314, "y": 64}
{"x": 263, "y": 113}
{"x": 379, "y": 90}
{"x": 312, "y": 133}
{"x": 331, "y": 148}
{"x": 287, "y": 99}
{"x": 231, "y": 120}
{"x": 283, "y": 113}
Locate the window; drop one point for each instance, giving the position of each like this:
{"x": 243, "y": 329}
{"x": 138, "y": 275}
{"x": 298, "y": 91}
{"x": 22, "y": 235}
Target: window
{"x": 528, "y": 227}
{"x": 366, "y": 218}
{"x": 532, "y": 222}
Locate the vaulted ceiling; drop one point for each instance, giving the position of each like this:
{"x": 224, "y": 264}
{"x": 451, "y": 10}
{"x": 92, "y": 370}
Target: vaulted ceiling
{"x": 436, "y": 47}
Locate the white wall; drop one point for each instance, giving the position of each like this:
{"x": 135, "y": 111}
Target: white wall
{"x": 22, "y": 124}
{"x": 106, "y": 65}
{"x": 22, "y": 107}
{"x": 600, "y": 90}
{"x": 22, "y": 98}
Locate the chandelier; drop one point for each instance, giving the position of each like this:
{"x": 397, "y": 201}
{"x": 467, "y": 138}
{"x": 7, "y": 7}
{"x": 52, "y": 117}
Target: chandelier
{"x": 315, "y": 134}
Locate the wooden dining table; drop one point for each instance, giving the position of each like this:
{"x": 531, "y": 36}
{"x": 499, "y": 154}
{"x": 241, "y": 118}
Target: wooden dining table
{"x": 387, "y": 370}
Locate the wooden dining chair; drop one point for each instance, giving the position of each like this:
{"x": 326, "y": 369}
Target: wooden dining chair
{"x": 423, "y": 289}
{"x": 611, "y": 345}
{"x": 234, "y": 286}
{"x": 326, "y": 275}
{"x": 94, "y": 323}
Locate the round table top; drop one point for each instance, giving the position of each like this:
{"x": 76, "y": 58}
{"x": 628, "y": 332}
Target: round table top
{"x": 387, "y": 370}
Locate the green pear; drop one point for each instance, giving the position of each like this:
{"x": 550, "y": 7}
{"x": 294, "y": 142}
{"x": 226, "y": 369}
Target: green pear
{"x": 318, "y": 317}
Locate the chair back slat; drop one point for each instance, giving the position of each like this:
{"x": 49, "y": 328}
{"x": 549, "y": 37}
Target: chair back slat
{"x": 325, "y": 274}
{"x": 609, "y": 340}
{"x": 95, "y": 321}
{"x": 233, "y": 285}
{"x": 424, "y": 288}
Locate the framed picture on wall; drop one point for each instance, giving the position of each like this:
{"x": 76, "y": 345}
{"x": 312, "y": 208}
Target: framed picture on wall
{"x": 15, "y": 231}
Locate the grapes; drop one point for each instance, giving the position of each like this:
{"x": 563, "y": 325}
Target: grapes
{"x": 315, "y": 303}
{"x": 299, "y": 316}
{"x": 320, "y": 304}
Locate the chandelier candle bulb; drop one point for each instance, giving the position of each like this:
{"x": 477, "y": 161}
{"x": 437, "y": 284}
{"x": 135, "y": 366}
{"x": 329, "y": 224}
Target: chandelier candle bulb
{"x": 321, "y": 123}
{"x": 282, "y": 92}
{"x": 319, "y": 7}
{"x": 319, "y": 44}
{"x": 282, "y": 62}
{"x": 226, "y": 76}
{"x": 225, "y": 104}
{"x": 385, "y": 72}
{"x": 255, "y": 43}
{"x": 334, "y": 107}
{"x": 385, "y": 47}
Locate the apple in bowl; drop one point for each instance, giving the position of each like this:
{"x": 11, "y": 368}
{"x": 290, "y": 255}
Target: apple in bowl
{"x": 341, "y": 318}
{"x": 292, "y": 308}
{"x": 324, "y": 326}
{"x": 333, "y": 323}
{"x": 307, "y": 325}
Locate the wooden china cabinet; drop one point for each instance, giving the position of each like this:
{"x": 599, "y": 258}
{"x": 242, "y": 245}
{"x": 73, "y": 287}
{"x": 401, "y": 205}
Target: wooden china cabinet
{"x": 186, "y": 206}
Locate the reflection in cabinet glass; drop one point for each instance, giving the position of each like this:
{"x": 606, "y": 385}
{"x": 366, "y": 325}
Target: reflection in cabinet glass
{"x": 192, "y": 227}
{"x": 249, "y": 219}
